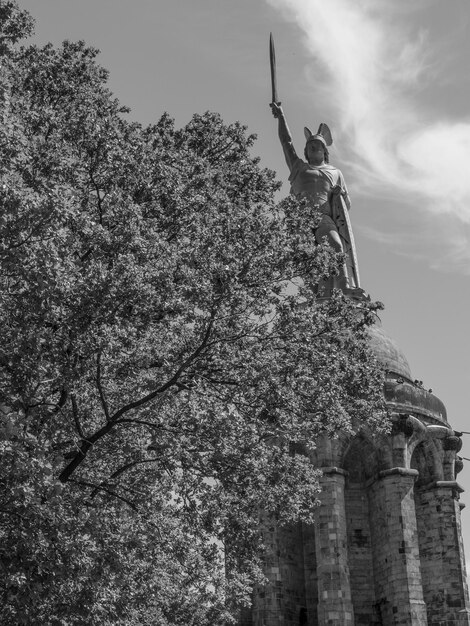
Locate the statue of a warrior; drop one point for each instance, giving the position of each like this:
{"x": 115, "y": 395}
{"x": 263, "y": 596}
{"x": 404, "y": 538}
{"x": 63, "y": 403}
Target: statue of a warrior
{"x": 323, "y": 186}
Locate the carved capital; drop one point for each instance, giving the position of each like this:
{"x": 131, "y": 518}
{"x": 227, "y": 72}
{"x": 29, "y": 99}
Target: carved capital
{"x": 452, "y": 443}
{"x": 403, "y": 424}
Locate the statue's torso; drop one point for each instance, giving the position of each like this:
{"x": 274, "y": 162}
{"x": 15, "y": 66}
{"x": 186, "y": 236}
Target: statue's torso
{"x": 314, "y": 183}
{"x": 314, "y": 186}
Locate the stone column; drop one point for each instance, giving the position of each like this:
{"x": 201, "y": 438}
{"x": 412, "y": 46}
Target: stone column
{"x": 398, "y": 586}
{"x": 442, "y": 557}
{"x": 334, "y": 593}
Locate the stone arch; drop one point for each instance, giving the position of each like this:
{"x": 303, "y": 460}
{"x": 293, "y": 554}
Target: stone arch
{"x": 418, "y": 435}
{"x": 426, "y": 457}
{"x": 360, "y": 455}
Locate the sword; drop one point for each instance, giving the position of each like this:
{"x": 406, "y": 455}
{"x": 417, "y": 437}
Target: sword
{"x": 272, "y": 59}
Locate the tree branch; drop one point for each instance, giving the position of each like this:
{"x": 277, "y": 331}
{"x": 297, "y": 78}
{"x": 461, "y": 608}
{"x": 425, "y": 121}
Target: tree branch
{"x": 141, "y": 423}
{"x": 114, "y": 419}
{"x": 76, "y": 417}
{"x": 83, "y": 450}
{"x": 104, "y": 404}
{"x": 108, "y": 491}
{"x": 120, "y": 471}
{"x": 153, "y": 394}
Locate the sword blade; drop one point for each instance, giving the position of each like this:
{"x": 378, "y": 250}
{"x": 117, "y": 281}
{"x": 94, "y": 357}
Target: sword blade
{"x": 272, "y": 60}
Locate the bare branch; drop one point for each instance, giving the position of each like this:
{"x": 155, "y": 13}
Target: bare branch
{"x": 76, "y": 417}
{"x": 141, "y": 423}
{"x": 64, "y": 396}
{"x": 83, "y": 450}
{"x": 120, "y": 471}
{"x": 104, "y": 404}
{"x": 106, "y": 490}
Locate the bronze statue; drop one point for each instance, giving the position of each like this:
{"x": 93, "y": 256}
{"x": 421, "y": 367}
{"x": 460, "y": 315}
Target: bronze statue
{"x": 322, "y": 185}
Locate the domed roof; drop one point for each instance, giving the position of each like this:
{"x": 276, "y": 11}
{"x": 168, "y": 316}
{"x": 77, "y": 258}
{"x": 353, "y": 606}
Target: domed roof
{"x": 387, "y": 352}
{"x": 404, "y": 395}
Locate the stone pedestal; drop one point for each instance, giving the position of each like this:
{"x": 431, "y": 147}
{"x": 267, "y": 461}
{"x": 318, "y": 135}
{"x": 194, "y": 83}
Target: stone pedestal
{"x": 398, "y": 586}
{"x": 334, "y": 593}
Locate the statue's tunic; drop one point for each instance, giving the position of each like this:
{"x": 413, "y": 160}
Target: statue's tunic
{"x": 315, "y": 182}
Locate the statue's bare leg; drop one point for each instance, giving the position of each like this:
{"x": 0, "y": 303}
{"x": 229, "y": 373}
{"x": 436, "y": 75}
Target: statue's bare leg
{"x": 333, "y": 238}
{"x": 335, "y": 242}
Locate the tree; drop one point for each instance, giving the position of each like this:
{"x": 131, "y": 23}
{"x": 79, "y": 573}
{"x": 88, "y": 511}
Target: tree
{"x": 162, "y": 353}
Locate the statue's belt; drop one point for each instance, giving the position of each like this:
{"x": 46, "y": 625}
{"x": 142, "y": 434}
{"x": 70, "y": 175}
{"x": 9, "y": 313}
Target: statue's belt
{"x": 324, "y": 208}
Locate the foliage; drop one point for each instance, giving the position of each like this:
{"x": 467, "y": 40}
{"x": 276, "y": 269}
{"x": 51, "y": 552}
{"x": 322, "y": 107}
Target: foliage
{"x": 162, "y": 351}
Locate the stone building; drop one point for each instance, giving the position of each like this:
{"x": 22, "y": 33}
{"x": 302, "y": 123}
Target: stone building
{"x": 386, "y": 547}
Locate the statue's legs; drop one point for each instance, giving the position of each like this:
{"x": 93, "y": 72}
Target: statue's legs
{"x": 327, "y": 229}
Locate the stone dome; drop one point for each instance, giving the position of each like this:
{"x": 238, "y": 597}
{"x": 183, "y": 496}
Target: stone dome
{"x": 403, "y": 395}
{"x": 387, "y": 352}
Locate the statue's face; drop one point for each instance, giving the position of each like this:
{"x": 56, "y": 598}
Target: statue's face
{"x": 315, "y": 152}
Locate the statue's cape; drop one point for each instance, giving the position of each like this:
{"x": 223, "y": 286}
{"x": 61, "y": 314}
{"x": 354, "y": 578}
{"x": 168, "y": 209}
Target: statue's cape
{"x": 340, "y": 215}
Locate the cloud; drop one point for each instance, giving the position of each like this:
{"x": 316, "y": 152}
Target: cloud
{"x": 446, "y": 238}
{"x": 378, "y": 62}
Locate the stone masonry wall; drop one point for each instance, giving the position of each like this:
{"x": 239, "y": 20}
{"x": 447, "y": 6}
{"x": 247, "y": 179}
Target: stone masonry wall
{"x": 310, "y": 575}
{"x": 280, "y": 601}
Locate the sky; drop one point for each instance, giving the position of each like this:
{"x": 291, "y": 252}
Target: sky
{"x": 390, "y": 78}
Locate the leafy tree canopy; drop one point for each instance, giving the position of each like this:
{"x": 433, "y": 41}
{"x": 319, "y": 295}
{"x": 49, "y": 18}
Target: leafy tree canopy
{"x": 162, "y": 351}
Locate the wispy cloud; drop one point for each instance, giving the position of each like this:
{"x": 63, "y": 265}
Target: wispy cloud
{"x": 377, "y": 63}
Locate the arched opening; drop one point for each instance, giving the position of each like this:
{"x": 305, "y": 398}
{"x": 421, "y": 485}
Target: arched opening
{"x": 425, "y": 460}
